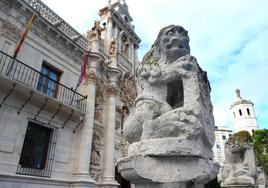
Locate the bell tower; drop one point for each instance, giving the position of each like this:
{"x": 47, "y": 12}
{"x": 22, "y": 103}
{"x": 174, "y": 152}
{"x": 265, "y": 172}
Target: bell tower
{"x": 120, "y": 42}
{"x": 243, "y": 114}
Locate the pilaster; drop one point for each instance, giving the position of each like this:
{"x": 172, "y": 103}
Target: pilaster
{"x": 82, "y": 177}
{"x": 108, "y": 174}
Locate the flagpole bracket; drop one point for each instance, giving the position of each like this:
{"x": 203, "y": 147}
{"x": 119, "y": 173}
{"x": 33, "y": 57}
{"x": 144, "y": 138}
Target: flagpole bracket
{"x": 54, "y": 115}
{"x": 8, "y": 94}
{"x": 69, "y": 117}
{"x": 41, "y": 109}
{"x": 26, "y": 102}
{"x": 79, "y": 123}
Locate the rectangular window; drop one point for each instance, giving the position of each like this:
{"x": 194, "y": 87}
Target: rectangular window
{"x": 38, "y": 149}
{"x": 218, "y": 146}
{"x": 223, "y": 137}
{"x": 48, "y": 81}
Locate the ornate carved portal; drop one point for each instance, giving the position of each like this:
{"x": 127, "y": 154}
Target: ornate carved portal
{"x": 128, "y": 90}
{"x": 99, "y": 103}
{"x": 98, "y": 131}
{"x": 96, "y": 151}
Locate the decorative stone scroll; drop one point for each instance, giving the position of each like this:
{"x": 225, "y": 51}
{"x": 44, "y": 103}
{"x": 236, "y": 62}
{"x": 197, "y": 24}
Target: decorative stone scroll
{"x": 171, "y": 128}
{"x": 128, "y": 90}
{"x": 113, "y": 46}
{"x": 96, "y": 151}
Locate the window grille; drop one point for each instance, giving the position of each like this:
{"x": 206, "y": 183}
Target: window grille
{"x": 38, "y": 149}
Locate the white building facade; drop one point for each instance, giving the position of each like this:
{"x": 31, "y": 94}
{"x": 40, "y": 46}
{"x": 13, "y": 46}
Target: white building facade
{"x": 243, "y": 114}
{"x": 222, "y": 134}
{"x": 53, "y": 135}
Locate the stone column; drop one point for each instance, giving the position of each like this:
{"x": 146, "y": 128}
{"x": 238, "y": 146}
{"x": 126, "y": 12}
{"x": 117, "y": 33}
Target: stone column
{"x": 82, "y": 177}
{"x": 136, "y": 47}
{"x": 108, "y": 174}
{"x": 109, "y": 34}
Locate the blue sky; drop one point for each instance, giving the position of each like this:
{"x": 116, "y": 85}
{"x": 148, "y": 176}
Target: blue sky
{"x": 229, "y": 38}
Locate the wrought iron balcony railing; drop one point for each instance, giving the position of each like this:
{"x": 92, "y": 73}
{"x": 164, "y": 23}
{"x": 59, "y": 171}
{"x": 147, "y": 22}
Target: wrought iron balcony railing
{"x": 17, "y": 71}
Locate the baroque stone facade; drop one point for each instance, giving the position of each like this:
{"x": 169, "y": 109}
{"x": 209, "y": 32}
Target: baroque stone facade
{"x": 89, "y": 137}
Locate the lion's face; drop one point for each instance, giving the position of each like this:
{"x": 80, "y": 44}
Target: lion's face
{"x": 174, "y": 42}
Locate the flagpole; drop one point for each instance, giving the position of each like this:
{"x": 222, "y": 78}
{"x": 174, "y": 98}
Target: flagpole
{"x": 82, "y": 74}
{"x": 22, "y": 38}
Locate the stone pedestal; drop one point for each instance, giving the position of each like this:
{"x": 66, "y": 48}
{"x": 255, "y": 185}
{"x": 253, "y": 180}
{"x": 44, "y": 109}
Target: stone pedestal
{"x": 157, "y": 163}
{"x": 239, "y": 186}
{"x": 95, "y": 44}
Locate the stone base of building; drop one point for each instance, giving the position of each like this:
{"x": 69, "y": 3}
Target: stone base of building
{"x": 239, "y": 186}
{"x": 22, "y": 181}
{"x": 108, "y": 182}
{"x": 108, "y": 185}
{"x": 168, "y": 185}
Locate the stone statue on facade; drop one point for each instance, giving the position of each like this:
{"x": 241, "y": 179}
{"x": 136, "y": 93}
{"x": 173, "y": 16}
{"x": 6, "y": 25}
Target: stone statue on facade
{"x": 113, "y": 46}
{"x": 239, "y": 167}
{"x": 125, "y": 46}
{"x": 95, "y": 32}
{"x": 172, "y": 125}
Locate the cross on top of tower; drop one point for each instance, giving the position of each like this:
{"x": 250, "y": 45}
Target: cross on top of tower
{"x": 238, "y": 93}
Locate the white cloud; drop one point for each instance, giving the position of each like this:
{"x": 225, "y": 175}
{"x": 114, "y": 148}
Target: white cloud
{"x": 229, "y": 39}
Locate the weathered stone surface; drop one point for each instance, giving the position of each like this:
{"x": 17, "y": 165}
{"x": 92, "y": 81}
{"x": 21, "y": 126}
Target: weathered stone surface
{"x": 168, "y": 169}
{"x": 171, "y": 128}
{"x": 169, "y": 147}
{"x": 239, "y": 167}
{"x": 172, "y": 95}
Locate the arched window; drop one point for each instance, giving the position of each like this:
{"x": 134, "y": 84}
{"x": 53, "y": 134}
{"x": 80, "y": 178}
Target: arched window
{"x": 248, "y": 111}
{"x": 240, "y": 112}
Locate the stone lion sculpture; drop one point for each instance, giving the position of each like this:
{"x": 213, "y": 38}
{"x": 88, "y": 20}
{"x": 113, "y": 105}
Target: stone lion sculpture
{"x": 172, "y": 91}
{"x": 239, "y": 167}
{"x": 171, "y": 127}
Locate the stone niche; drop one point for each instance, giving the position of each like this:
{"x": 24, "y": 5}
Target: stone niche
{"x": 171, "y": 128}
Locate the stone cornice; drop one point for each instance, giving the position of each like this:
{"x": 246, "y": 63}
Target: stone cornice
{"x": 242, "y": 101}
{"x": 51, "y": 18}
{"x": 44, "y": 31}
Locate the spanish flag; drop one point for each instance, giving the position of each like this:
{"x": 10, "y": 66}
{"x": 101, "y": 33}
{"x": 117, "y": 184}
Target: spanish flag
{"x": 24, "y": 34}
{"x": 83, "y": 74}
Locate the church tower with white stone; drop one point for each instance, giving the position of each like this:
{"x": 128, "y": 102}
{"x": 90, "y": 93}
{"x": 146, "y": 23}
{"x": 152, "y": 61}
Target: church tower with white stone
{"x": 243, "y": 114}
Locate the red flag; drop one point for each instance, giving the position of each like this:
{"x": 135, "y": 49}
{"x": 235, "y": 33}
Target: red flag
{"x": 83, "y": 74}
{"x": 24, "y": 34}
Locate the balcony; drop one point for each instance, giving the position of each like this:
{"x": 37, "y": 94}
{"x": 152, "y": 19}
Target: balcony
{"x": 45, "y": 87}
